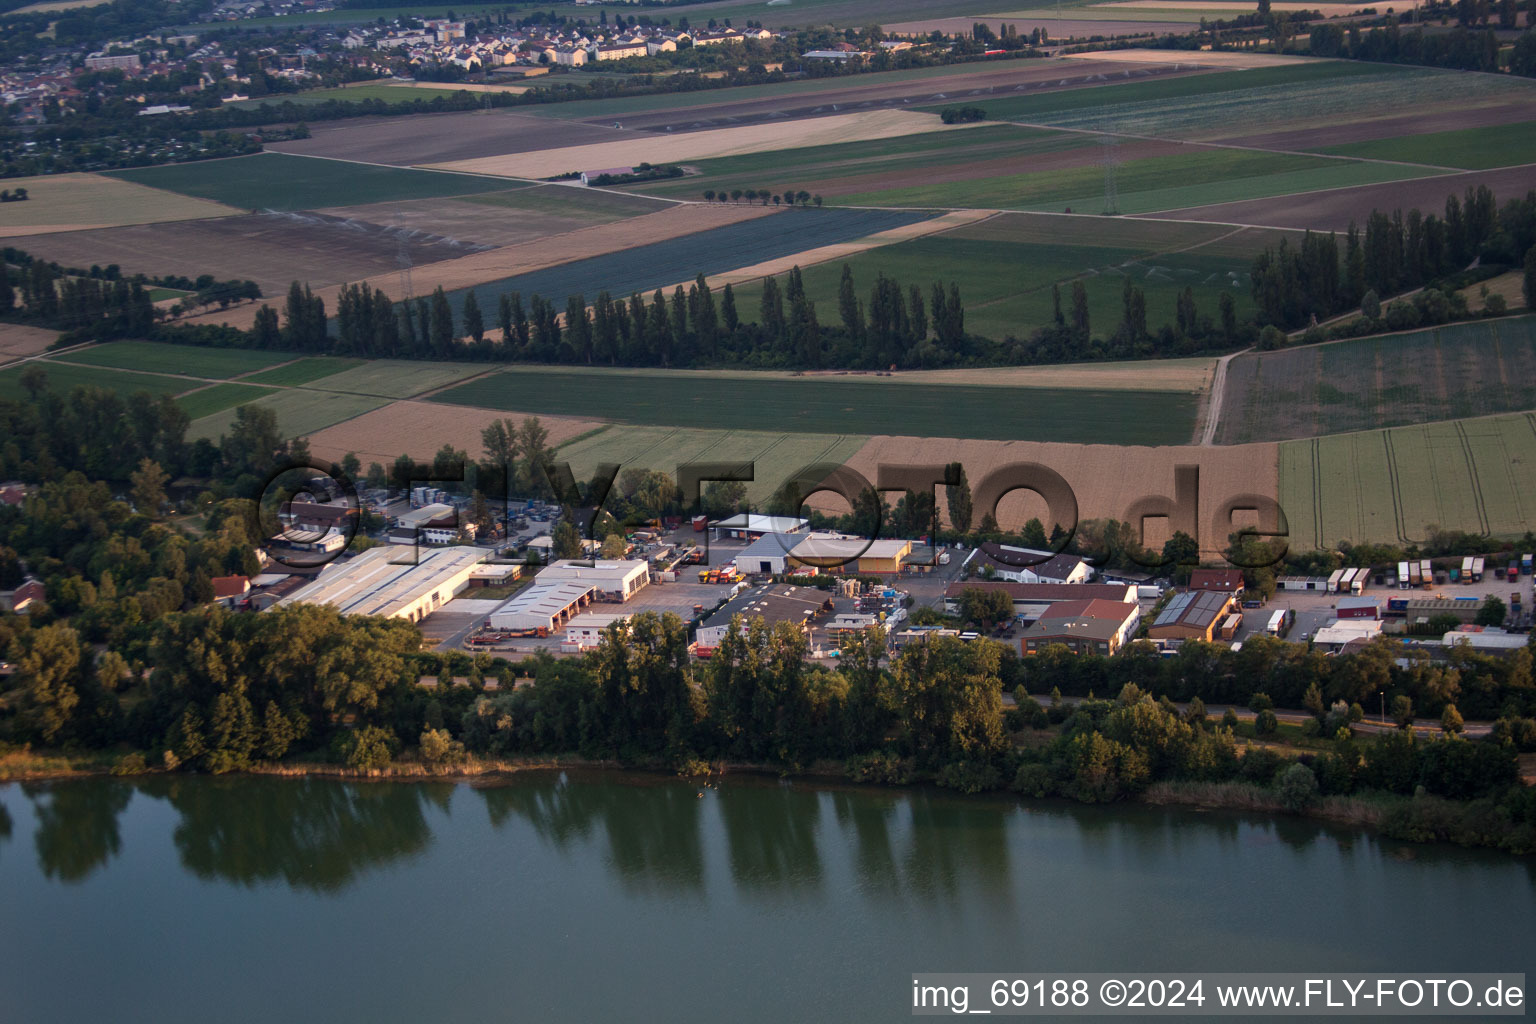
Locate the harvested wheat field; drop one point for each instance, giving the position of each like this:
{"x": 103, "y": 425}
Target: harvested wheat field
{"x": 419, "y": 429}
{"x": 69, "y": 202}
{"x": 662, "y": 148}
{"x": 1106, "y": 479}
{"x": 18, "y": 342}
{"x": 511, "y": 260}
{"x": 842, "y": 250}
{"x": 1210, "y": 58}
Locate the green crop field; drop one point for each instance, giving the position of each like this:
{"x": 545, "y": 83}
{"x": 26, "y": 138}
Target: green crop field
{"x": 357, "y": 16}
{"x": 775, "y": 457}
{"x": 1149, "y": 185}
{"x": 209, "y": 400}
{"x": 394, "y": 378}
{"x": 1006, "y": 283}
{"x": 1230, "y": 103}
{"x": 302, "y": 371}
{"x": 1502, "y": 145}
{"x": 354, "y": 94}
{"x": 828, "y": 169}
{"x": 64, "y": 377}
{"x": 300, "y": 412}
{"x": 1393, "y": 485}
{"x": 829, "y": 406}
{"x": 1442, "y": 373}
{"x": 281, "y": 181}
{"x": 158, "y": 357}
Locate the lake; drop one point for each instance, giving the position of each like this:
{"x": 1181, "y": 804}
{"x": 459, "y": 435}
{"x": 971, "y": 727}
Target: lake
{"x": 589, "y": 896}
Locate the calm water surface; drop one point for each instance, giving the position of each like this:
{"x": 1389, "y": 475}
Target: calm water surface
{"x": 566, "y": 897}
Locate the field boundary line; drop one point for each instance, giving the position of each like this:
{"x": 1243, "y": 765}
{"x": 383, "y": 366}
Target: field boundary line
{"x": 1395, "y": 483}
{"x": 424, "y": 395}
{"x": 1478, "y": 502}
{"x": 1216, "y": 396}
{"x": 1317, "y": 493}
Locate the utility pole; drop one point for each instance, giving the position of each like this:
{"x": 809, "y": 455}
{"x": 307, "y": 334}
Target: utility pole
{"x": 1111, "y": 161}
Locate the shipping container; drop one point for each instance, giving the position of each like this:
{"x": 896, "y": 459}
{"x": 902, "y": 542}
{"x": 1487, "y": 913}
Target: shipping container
{"x": 1280, "y": 622}
{"x": 1398, "y": 605}
{"x": 1526, "y": 564}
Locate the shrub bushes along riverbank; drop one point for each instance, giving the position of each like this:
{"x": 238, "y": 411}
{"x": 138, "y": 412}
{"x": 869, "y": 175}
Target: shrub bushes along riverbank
{"x": 303, "y": 686}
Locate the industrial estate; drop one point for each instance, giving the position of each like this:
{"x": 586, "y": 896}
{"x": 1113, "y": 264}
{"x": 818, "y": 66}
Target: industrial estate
{"x": 1084, "y": 402}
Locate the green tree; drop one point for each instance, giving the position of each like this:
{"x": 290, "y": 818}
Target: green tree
{"x": 148, "y": 488}
{"x": 949, "y": 697}
{"x": 958, "y": 496}
{"x": 613, "y": 547}
{"x": 1296, "y": 786}
{"x": 985, "y": 606}
{"x": 1265, "y": 723}
{"x": 565, "y": 541}
{"x": 371, "y": 748}
{"x": 1492, "y": 613}
{"x": 47, "y": 664}
{"x": 1450, "y": 721}
{"x": 474, "y": 323}
{"x": 1402, "y": 711}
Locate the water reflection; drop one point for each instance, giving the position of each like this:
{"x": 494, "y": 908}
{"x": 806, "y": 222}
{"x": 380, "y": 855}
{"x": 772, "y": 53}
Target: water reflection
{"x": 650, "y": 824}
{"x": 76, "y": 826}
{"x": 955, "y": 842}
{"x": 771, "y": 833}
{"x": 870, "y": 815}
{"x": 310, "y": 833}
{"x": 5, "y": 825}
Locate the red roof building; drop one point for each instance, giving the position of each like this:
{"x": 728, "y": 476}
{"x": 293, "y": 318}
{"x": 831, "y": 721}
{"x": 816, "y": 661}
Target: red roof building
{"x": 1222, "y": 581}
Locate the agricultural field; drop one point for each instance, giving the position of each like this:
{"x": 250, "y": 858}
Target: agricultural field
{"x": 18, "y": 342}
{"x": 1503, "y": 145}
{"x": 71, "y": 202}
{"x": 395, "y": 378}
{"x": 1005, "y": 267}
{"x": 190, "y": 360}
{"x": 1392, "y": 485}
{"x": 269, "y": 248}
{"x": 442, "y": 138}
{"x": 218, "y": 397}
{"x": 303, "y": 371}
{"x": 419, "y": 429}
{"x": 679, "y": 147}
{"x": 827, "y": 405}
{"x": 354, "y": 94}
{"x": 820, "y": 96}
{"x": 1221, "y": 104}
{"x": 1105, "y": 479}
{"x": 874, "y": 165}
{"x": 1147, "y": 185}
{"x": 277, "y": 181}
{"x": 300, "y": 412}
{"x": 663, "y": 264}
{"x": 776, "y": 457}
{"x": 63, "y": 378}
{"x": 1337, "y": 209}
{"x": 1442, "y": 373}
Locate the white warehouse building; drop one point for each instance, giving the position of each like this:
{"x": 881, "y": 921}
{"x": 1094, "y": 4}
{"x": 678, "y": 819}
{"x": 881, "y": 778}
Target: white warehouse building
{"x": 612, "y": 580}
{"x": 374, "y": 583}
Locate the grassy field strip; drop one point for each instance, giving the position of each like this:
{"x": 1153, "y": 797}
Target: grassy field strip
{"x": 1482, "y": 148}
{"x": 287, "y": 182}
{"x": 299, "y": 412}
{"x": 395, "y": 378}
{"x": 1392, "y": 485}
{"x": 1006, "y": 413}
{"x": 217, "y": 397}
{"x": 185, "y": 360}
{"x": 64, "y": 377}
{"x": 1147, "y": 185}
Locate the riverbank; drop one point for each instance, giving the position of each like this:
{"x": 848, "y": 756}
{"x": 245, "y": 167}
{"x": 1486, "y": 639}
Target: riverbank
{"x": 1418, "y": 819}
